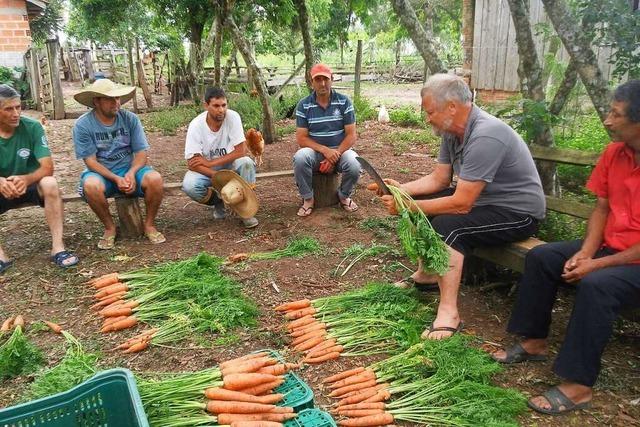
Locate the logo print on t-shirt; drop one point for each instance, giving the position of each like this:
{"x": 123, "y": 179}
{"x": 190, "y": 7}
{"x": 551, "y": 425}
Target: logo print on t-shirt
{"x": 43, "y": 141}
{"x": 24, "y": 153}
{"x": 336, "y": 112}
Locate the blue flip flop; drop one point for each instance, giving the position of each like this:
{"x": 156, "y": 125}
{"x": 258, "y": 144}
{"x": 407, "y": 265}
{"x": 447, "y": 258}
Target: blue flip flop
{"x": 4, "y": 265}
{"x": 59, "y": 259}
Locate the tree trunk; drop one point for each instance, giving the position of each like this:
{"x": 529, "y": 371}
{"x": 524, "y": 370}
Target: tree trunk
{"x": 268, "y": 127}
{"x": 356, "y": 82}
{"x": 303, "y": 22}
{"x": 419, "y": 35}
{"x": 564, "y": 90}
{"x": 579, "y": 47}
{"x": 132, "y": 74}
{"x": 142, "y": 79}
{"x": 217, "y": 53}
{"x": 195, "y": 60}
{"x": 208, "y": 42}
{"x": 229, "y": 65}
{"x": 531, "y": 85}
{"x": 468, "y": 18}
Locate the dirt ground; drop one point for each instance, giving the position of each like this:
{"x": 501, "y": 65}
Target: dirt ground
{"x": 39, "y": 290}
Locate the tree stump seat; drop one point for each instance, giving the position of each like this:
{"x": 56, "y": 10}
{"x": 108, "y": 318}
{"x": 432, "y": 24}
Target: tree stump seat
{"x": 325, "y": 189}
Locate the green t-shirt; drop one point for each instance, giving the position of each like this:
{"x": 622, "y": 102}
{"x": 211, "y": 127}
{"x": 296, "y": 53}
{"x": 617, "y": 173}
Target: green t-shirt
{"x": 19, "y": 154}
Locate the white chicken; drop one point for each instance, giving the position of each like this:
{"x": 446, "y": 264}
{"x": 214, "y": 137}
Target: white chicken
{"x": 383, "y": 115}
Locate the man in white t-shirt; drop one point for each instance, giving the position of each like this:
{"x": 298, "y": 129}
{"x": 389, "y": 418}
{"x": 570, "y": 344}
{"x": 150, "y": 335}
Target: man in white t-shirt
{"x": 215, "y": 141}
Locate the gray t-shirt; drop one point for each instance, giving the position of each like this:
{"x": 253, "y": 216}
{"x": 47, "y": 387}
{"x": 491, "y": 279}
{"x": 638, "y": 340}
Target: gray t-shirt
{"x": 494, "y": 153}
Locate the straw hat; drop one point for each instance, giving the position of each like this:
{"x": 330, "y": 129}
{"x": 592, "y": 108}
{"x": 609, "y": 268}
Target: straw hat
{"x": 236, "y": 193}
{"x": 104, "y": 88}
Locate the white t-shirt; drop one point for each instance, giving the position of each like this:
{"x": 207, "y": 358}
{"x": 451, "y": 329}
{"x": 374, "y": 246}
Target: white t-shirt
{"x": 211, "y": 145}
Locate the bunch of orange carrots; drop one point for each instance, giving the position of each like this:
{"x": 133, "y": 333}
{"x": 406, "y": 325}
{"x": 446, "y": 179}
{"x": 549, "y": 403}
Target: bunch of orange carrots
{"x": 377, "y": 318}
{"x": 239, "y": 392}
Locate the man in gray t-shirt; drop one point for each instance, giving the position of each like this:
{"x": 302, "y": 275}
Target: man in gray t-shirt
{"x": 497, "y": 197}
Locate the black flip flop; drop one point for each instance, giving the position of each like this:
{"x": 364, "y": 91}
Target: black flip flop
{"x": 59, "y": 259}
{"x": 451, "y": 329}
{"x": 409, "y": 282}
{"x": 560, "y": 403}
{"x": 517, "y": 354}
{"x": 5, "y": 265}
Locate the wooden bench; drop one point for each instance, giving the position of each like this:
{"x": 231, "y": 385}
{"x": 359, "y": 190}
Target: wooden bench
{"x": 130, "y": 214}
{"x": 512, "y": 255}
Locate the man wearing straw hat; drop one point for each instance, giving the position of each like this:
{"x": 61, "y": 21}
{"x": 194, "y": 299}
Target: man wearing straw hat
{"x": 112, "y": 143}
{"x": 26, "y": 174}
{"x": 215, "y": 143}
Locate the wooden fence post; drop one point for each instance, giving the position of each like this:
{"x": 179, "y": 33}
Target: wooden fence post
{"x": 142, "y": 80}
{"x": 132, "y": 76}
{"x": 53, "y": 48}
{"x": 88, "y": 65}
{"x": 356, "y": 83}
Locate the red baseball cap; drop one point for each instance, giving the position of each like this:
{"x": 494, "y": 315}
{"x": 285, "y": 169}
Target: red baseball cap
{"x": 321, "y": 70}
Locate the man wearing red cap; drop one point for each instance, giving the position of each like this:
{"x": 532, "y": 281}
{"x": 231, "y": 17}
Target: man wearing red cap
{"x": 326, "y": 131}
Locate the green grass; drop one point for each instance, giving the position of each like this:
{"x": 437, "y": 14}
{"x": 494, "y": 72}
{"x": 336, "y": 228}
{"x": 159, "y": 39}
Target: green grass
{"x": 407, "y": 116}
{"x": 402, "y": 139}
{"x": 364, "y": 110}
{"x": 170, "y": 120}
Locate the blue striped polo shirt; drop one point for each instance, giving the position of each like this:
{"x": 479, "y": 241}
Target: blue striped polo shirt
{"x": 326, "y": 126}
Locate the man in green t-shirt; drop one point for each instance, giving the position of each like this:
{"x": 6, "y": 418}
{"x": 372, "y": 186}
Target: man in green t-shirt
{"x": 26, "y": 173}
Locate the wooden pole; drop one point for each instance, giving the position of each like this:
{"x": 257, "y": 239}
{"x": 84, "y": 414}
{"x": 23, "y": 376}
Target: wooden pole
{"x": 88, "y": 64}
{"x": 57, "y": 97}
{"x": 132, "y": 75}
{"x": 142, "y": 80}
{"x": 356, "y": 83}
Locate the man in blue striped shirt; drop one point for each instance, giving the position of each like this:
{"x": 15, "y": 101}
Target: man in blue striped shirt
{"x": 325, "y": 132}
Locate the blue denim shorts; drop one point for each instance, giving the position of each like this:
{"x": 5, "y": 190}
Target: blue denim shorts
{"x": 110, "y": 187}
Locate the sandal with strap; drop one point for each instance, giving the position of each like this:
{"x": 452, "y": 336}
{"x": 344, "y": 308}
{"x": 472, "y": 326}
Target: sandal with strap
{"x": 453, "y": 330}
{"x": 305, "y": 211}
{"x": 155, "y": 237}
{"x": 60, "y": 258}
{"x": 5, "y": 265}
{"x": 349, "y": 205}
{"x": 517, "y": 354}
{"x": 560, "y": 403}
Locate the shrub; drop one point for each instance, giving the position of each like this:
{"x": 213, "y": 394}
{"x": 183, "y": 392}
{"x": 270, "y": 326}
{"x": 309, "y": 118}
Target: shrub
{"x": 169, "y": 120}
{"x": 407, "y": 117}
{"x": 364, "y": 110}
{"x": 11, "y": 77}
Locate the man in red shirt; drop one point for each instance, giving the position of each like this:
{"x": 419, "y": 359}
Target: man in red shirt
{"x": 604, "y": 267}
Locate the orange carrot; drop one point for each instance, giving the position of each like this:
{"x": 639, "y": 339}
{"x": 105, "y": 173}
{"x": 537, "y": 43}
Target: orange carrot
{"x": 362, "y": 405}
{"x": 368, "y": 421}
{"x": 294, "y": 305}
{"x": 108, "y": 296}
{"x": 301, "y": 322}
{"x": 308, "y": 336}
{"x": 228, "y": 407}
{"x": 358, "y": 397}
{"x": 262, "y": 388}
{"x": 309, "y": 344}
{"x": 109, "y": 320}
{"x": 312, "y": 327}
{"x": 54, "y": 327}
{"x": 354, "y": 379}
{"x": 325, "y": 344}
{"x": 247, "y": 366}
{"x": 219, "y": 393}
{"x": 360, "y": 412}
{"x": 297, "y": 314}
{"x": 6, "y": 325}
{"x": 256, "y": 424}
{"x": 224, "y": 419}
{"x": 102, "y": 281}
{"x": 318, "y": 353}
{"x": 138, "y": 346}
{"x": 279, "y": 369}
{"x": 358, "y": 386}
{"x": 18, "y": 321}
{"x": 323, "y": 358}
{"x": 342, "y": 375}
{"x": 242, "y": 381}
{"x": 110, "y": 290}
{"x": 242, "y": 358}
{"x": 125, "y": 309}
{"x": 127, "y": 322}
{"x": 375, "y": 388}
{"x": 108, "y": 300}
{"x": 380, "y": 396}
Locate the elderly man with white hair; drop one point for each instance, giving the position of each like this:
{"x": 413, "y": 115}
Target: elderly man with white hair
{"x": 26, "y": 174}
{"x": 496, "y": 197}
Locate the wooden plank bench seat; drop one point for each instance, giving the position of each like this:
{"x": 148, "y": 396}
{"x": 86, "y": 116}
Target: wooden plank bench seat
{"x": 130, "y": 214}
{"x": 512, "y": 255}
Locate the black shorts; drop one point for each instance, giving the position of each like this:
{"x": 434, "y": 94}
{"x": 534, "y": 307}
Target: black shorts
{"x": 483, "y": 226}
{"x": 30, "y": 197}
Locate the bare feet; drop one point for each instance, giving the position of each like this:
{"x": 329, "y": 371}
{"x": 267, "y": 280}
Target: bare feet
{"x": 577, "y": 393}
{"x": 532, "y": 346}
{"x": 423, "y": 278}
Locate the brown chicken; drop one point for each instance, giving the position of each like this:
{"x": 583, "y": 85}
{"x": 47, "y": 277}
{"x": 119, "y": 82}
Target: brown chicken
{"x": 255, "y": 144}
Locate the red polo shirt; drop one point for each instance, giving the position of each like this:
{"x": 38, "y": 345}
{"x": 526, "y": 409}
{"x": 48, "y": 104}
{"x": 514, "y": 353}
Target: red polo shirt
{"x": 616, "y": 177}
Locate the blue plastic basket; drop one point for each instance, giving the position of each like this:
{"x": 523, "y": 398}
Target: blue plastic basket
{"x": 311, "y": 418}
{"x": 108, "y": 399}
{"x": 297, "y": 393}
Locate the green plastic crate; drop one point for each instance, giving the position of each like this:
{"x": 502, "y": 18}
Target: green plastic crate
{"x": 311, "y": 418}
{"x": 108, "y": 399}
{"x": 297, "y": 393}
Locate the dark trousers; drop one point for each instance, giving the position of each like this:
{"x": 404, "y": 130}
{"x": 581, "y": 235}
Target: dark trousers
{"x": 600, "y": 296}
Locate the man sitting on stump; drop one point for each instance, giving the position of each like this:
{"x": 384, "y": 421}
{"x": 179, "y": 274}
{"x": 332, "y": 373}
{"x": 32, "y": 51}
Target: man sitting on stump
{"x": 26, "y": 174}
{"x": 326, "y": 132}
{"x": 604, "y": 267}
{"x": 112, "y": 143}
{"x": 216, "y": 141}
